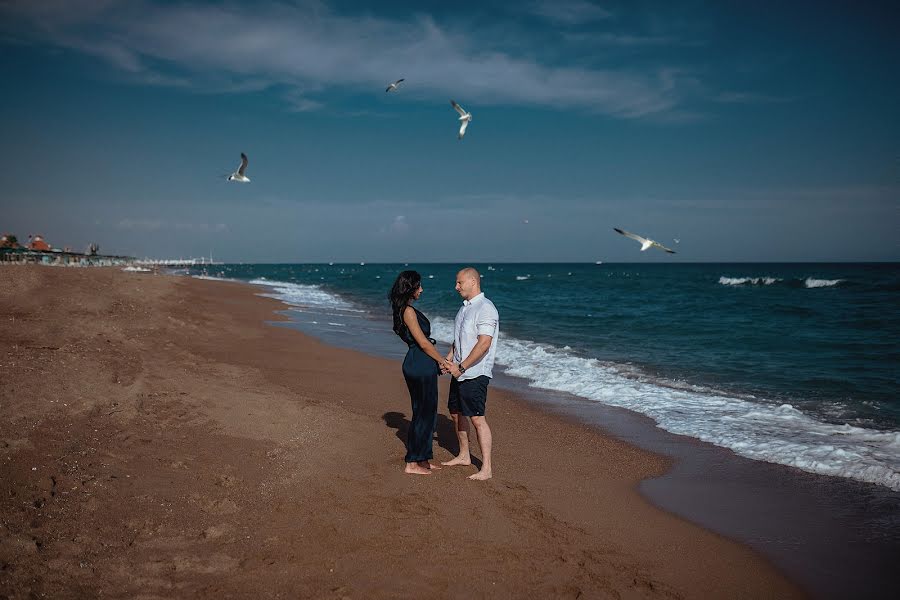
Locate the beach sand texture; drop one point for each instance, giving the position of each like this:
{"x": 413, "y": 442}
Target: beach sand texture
{"x": 158, "y": 439}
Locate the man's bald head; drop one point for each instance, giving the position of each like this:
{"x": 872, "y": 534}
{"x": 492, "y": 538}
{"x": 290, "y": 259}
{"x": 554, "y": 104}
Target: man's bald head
{"x": 468, "y": 283}
{"x": 469, "y": 272}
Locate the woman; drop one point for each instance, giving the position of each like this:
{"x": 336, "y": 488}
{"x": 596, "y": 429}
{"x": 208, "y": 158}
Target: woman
{"x": 421, "y": 368}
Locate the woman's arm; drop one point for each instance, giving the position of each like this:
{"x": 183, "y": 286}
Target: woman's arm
{"x": 412, "y": 323}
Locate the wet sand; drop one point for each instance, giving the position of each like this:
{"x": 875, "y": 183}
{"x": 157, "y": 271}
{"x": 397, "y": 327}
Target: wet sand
{"x": 158, "y": 439}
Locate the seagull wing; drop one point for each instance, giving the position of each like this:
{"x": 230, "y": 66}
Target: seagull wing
{"x": 462, "y": 128}
{"x": 243, "y": 166}
{"x": 661, "y": 247}
{"x": 458, "y": 108}
{"x": 633, "y": 236}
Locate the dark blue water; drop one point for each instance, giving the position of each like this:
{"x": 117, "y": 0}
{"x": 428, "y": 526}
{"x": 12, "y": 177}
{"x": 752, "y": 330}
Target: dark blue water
{"x": 742, "y": 355}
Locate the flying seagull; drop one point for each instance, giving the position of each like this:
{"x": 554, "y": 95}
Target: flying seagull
{"x": 464, "y": 116}
{"x": 393, "y": 87}
{"x": 645, "y": 243}
{"x": 239, "y": 174}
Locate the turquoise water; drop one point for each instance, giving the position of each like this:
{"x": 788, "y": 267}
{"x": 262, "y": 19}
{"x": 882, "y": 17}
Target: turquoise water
{"x": 790, "y": 363}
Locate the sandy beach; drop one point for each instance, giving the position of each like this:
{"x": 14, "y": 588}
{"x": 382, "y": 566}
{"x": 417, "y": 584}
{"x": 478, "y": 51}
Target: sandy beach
{"x": 159, "y": 439}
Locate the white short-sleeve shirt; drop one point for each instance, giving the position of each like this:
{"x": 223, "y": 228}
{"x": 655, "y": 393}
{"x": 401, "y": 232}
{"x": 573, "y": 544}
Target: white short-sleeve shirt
{"x": 477, "y": 316}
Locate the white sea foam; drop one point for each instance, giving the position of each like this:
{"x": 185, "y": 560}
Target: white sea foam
{"x": 522, "y": 277}
{"x": 748, "y": 280}
{"x": 808, "y": 282}
{"x": 817, "y": 283}
{"x": 305, "y": 296}
{"x": 767, "y": 432}
{"x": 214, "y": 278}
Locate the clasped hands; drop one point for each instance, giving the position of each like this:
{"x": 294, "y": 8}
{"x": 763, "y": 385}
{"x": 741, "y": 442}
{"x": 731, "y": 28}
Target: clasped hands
{"x": 448, "y": 366}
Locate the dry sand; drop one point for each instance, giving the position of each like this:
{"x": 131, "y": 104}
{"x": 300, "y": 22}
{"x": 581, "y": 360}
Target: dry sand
{"x": 158, "y": 439}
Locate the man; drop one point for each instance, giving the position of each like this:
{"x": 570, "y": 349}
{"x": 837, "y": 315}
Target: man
{"x": 471, "y": 361}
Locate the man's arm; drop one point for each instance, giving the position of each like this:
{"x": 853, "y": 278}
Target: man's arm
{"x": 481, "y": 348}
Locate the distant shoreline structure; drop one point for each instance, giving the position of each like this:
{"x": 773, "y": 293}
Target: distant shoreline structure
{"x": 38, "y": 251}
{"x": 65, "y": 258}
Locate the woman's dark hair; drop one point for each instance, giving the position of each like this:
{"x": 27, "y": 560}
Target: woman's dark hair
{"x": 402, "y": 291}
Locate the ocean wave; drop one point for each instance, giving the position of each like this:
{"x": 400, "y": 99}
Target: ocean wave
{"x": 748, "y": 280}
{"x": 522, "y": 277}
{"x": 214, "y": 278}
{"x": 817, "y": 283}
{"x": 302, "y": 295}
{"x": 749, "y": 427}
{"x": 808, "y": 282}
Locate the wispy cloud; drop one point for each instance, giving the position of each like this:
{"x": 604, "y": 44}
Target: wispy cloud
{"x": 311, "y": 50}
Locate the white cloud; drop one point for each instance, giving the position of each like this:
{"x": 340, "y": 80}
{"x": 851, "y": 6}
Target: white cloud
{"x": 310, "y": 50}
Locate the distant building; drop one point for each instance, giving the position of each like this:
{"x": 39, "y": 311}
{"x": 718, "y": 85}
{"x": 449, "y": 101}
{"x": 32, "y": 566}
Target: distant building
{"x": 37, "y": 243}
{"x": 8, "y": 240}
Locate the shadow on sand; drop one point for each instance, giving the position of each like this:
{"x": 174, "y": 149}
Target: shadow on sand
{"x": 445, "y": 435}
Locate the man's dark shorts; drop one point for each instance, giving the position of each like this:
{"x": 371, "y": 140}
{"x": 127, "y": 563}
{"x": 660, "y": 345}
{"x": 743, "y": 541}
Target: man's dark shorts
{"x": 469, "y": 396}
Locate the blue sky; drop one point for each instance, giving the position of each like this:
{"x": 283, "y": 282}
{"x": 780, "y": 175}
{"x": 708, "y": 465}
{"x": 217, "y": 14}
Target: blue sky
{"x": 749, "y": 131}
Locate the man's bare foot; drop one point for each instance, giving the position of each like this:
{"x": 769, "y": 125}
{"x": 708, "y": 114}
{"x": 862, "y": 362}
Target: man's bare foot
{"x": 459, "y": 460}
{"x": 480, "y": 475}
{"x": 415, "y": 469}
{"x": 427, "y": 464}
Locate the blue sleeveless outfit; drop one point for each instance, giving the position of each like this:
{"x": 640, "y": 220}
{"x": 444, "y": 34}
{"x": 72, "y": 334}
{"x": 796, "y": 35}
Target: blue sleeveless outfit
{"x": 421, "y": 373}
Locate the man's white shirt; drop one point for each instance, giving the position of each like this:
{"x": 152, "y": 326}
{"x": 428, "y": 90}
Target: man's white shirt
{"x": 477, "y": 316}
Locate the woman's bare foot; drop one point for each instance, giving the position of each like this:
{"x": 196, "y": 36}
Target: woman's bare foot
{"x": 416, "y": 469}
{"x": 480, "y": 475}
{"x": 459, "y": 460}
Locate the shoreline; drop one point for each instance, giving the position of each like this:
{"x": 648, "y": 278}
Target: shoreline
{"x": 159, "y": 437}
{"x": 788, "y": 403}
{"x": 832, "y": 534}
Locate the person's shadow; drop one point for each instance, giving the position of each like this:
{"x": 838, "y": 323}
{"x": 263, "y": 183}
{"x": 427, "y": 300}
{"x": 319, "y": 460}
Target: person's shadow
{"x": 445, "y": 434}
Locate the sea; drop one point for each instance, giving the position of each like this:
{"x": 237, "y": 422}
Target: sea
{"x": 794, "y": 364}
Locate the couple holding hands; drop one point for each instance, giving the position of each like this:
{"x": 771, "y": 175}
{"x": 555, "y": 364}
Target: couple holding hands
{"x": 470, "y": 362}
